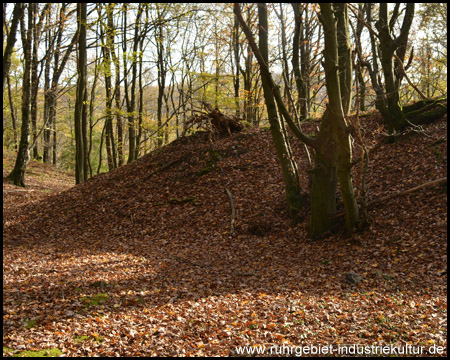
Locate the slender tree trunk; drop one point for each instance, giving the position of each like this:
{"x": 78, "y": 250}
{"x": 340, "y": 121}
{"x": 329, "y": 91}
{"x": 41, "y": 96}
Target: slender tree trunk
{"x": 284, "y": 56}
{"x": 54, "y": 142}
{"x": 109, "y": 133}
{"x": 141, "y": 99}
{"x": 131, "y": 103}
{"x": 110, "y": 42}
{"x": 161, "y": 76}
{"x": 345, "y": 56}
{"x": 18, "y": 13}
{"x": 237, "y": 64}
{"x": 80, "y": 106}
{"x": 47, "y": 134}
{"x": 305, "y": 60}
{"x": 17, "y": 176}
{"x": 359, "y": 66}
{"x": 13, "y": 111}
{"x": 294, "y": 198}
{"x": 34, "y": 82}
{"x": 301, "y": 64}
{"x": 248, "y": 104}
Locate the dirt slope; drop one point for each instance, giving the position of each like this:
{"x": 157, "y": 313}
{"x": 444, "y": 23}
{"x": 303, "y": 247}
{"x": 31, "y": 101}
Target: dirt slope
{"x": 154, "y": 238}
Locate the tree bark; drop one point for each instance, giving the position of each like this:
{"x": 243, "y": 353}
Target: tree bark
{"x": 298, "y": 73}
{"x": 18, "y": 13}
{"x": 80, "y": 105}
{"x": 237, "y": 64}
{"x": 17, "y": 176}
{"x": 393, "y": 115}
{"x": 345, "y": 56}
{"x": 333, "y": 156}
{"x": 294, "y": 198}
{"x": 110, "y": 41}
{"x": 109, "y": 133}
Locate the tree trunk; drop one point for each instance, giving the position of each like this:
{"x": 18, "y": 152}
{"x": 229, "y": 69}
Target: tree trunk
{"x": 109, "y": 133}
{"x": 17, "y": 176}
{"x": 298, "y": 75}
{"x": 13, "y": 112}
{"x": 340, "y": 137}
{"x": 11, "y": 40}
{"x": 161, "y": 77}
{"x": 80, "y": 106}
{"x": 237, "y": 65}
{"x": 294, "y": 198}
{"x": 34, "y": 82}
{"x": 393, "y": 114}
{"x": 324, "y": 180}
{"x": 345, "y": 56}
{"x": 110, "y": 42}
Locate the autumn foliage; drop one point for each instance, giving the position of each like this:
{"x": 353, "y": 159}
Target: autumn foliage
{"x": 124, "y": 266}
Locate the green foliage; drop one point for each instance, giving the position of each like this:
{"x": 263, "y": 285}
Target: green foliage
{"x": 214, "y": 156}
{"x": 30, "y": 323}
{"x": 50, "y": 352}
{"x": 95, "y": 300}
{"x": 80, "y": 339}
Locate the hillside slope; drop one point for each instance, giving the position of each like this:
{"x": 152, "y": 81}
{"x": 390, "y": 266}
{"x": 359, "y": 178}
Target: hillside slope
{"x": 154, "y": 238}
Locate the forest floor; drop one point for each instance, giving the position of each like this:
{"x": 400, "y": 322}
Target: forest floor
{"x": 140, "y": 261}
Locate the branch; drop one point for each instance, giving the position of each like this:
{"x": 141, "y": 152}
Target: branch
{"x": 266, "y": 73}
{"x": 402, "y": 68}
{"x": 233, "y": 211}
{"x": 428, "y": 184}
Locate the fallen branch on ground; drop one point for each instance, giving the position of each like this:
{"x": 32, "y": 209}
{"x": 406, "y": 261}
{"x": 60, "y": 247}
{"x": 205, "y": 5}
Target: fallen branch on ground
{"x": 390, "y": 196}
{"x": 233, "y": 211}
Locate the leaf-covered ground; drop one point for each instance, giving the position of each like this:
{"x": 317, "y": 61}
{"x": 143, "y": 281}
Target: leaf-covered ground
{"x": 140, "y": 261}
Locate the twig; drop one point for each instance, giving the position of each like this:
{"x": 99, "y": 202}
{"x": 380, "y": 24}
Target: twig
{"x": 364, "y": 165}
{"x": 233, "y": 211}
{"x": 230, "y": 198}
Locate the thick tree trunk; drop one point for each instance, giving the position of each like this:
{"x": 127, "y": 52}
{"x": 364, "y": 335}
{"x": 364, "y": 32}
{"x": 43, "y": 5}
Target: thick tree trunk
{"x": 333, "y": 155}
{"x": 393, "y": 115}
{"x": 324, "y": 180}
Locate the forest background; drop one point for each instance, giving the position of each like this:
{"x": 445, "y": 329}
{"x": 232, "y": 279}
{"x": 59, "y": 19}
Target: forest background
{"x": 150, "y": 67}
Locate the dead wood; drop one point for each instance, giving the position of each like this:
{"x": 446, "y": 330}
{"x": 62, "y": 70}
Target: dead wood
{"x": 214, "y": 121}
{"x": 390, "y": 196}
{"x": 233, "y": 211}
